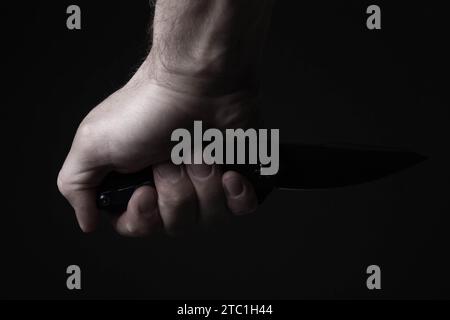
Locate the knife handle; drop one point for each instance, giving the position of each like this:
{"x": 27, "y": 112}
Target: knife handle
{"x": 116, "y": 189}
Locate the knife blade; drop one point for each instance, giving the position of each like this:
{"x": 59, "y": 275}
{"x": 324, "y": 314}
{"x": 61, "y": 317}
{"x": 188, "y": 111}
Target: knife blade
{"x": 302, "y": 167}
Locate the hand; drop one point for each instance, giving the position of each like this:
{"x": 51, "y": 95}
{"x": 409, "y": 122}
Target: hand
{"x": 131, "y": 130}
{"x": 202, "y": 66}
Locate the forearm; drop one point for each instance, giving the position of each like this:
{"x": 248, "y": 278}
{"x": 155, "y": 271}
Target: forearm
{"x": 204, "y": 39}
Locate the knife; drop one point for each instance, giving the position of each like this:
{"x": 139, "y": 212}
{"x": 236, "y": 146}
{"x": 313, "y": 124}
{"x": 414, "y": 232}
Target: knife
{"x": 302, "y": 167}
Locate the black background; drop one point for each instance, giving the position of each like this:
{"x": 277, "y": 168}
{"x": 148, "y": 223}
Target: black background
{"x": 327, "y": 78}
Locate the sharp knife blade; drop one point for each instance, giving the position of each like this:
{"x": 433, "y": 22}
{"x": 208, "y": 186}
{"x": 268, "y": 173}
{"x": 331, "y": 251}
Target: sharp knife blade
{"x": 333, "y": 166}
{"x": 302, "y": 167}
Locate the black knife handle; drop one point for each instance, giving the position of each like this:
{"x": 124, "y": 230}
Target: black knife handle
{"x": 116, "y": 190}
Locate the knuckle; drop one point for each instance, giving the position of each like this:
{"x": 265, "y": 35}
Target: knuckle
{"x": 85, "y": 136}
{"x": 62, "y": 184}
{"x": 178, "y": 199}
{"x": 134, "y": 231}
{"x": 93, "y": 139}
{"x": 179, "y": 212}
{"x": 85, "y": 129}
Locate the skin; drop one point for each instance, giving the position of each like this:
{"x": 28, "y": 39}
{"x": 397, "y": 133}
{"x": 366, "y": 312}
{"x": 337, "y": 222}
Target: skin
{"x": 202, "y": 66}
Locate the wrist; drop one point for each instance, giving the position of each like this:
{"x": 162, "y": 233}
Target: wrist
{"x": 216, "y": 44}
{"x": 201, "y": 98}
{"x": 199, "y": 76}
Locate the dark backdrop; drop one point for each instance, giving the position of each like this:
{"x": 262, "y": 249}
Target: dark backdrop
{"x": 326, "y": 79}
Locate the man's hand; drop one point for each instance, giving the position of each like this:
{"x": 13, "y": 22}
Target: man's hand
{"x": 131, "y": 129}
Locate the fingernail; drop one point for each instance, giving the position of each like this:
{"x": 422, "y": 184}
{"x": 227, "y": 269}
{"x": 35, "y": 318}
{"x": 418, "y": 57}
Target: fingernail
{"x": 201, "y": 170}
{"x": 169, "y": 171}
{"x": 233, "y": 187}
